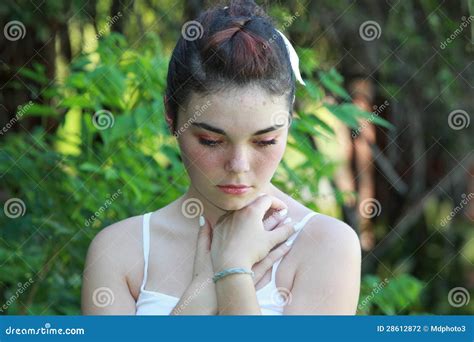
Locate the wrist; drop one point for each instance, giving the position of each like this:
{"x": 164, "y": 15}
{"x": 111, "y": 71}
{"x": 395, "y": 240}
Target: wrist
{"x": 234, "y": 263}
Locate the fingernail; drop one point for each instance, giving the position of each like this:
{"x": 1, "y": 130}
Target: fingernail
{"x": 283, "y": 212}
{"x": 202, "y": 221}
{"x": 288, "y": 243}
{"x": 261, "y": 194}
{"x": 287, "y": 220}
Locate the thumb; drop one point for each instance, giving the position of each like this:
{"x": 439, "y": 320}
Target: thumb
{"x": 204, "y": 235}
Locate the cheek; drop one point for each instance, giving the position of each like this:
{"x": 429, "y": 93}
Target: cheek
{"x": 199, "y": 158}
{"x": 267, "y": 161}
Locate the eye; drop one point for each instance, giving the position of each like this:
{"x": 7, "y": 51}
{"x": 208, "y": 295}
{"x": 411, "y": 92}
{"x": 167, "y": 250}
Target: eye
{"x": 210, "y": 143}
{"x": 266, "y": 143}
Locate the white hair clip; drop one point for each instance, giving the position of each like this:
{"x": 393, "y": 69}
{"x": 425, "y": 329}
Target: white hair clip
{"x": 294, "y": 59}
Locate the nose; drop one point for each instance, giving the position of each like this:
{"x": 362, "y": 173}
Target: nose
{"x": 238, "y": 161}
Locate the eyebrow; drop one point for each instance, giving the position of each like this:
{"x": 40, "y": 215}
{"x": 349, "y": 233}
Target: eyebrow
{"x": 221, "y": 131}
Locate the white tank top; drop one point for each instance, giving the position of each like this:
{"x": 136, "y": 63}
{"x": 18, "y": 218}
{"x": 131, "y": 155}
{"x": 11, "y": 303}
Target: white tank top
{"x": 270, "y": 298}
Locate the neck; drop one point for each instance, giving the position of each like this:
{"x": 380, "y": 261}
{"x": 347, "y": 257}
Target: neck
{"x": 211, "y": 211}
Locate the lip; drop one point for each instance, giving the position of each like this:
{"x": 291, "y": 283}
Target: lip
{"x": 237, "y": 186}
{"x": 234, "y": 189}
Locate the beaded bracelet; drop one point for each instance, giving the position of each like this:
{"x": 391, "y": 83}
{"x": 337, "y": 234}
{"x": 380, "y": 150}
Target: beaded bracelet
{"x": 228, "y": 271}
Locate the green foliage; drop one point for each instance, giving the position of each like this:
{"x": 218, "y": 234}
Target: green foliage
{"x": 394, "y": 296}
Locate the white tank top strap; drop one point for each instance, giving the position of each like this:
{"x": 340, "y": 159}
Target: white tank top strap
{"x": 299, "y": 227}
{"x": 146, "y": 246}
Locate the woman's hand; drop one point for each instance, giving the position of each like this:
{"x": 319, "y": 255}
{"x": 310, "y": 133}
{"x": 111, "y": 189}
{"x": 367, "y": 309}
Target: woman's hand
{"x": 203, "y": 269}
{"x": 239, "y": 238}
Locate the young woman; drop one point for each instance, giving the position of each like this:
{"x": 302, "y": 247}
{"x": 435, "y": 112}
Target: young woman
{"x": 233, "y": 244}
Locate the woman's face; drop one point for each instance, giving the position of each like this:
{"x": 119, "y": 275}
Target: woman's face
{"x": 234, "y": 137}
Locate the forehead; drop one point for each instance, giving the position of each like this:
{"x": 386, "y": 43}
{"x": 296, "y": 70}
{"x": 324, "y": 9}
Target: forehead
{"x": 245, "y": 107}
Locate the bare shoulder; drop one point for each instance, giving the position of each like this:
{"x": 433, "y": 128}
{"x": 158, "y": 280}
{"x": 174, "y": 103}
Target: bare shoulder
{"x": 327, "y": 277}
{"x": 113, "y": 240}
{"x": 111, "y": 257}
{"x": 330, "y": 234}
{"x": 322, "y": 234}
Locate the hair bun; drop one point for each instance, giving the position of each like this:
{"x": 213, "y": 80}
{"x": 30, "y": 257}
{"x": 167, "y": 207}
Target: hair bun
{"x": 245, "y": 8}
{"x": 242, "y": 22}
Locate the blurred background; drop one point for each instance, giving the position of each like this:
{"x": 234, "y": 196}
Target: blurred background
{"x": 381, "y": 138}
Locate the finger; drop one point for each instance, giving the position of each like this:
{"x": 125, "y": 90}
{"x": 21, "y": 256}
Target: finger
{"x": 204, "y": 235}
{"x": 266, "y": 263}
{"x": 264, "y": 203}
{"x": 277, "y": 218}
{"x": 281, "y": 234}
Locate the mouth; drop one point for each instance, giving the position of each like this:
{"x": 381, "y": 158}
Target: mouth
{"x": 234, "y": 189}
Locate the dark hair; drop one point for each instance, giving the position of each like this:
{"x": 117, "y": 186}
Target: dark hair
{"x": 235, "y": 46}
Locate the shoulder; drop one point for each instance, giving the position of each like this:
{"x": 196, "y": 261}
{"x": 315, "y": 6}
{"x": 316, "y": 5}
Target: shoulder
{"x": 327, "y": 276}
{"x": 116, "y": 248}
{"x": 326, "y": 236}
{"x": 114, "y": 238}
{"x": 112, "y": 255}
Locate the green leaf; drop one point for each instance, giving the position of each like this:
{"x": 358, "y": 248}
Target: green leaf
{"x": 124, "y": 126}
{"x": 333, "y": 83}
{"x": 39, "y": 110}
{"x": 347, "y": 113}
{"x": 81, "y": 101}
{"x": 37, "y": 74}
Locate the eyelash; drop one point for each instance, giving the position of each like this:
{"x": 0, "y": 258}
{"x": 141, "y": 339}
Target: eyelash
{"x": 214, "y": 143}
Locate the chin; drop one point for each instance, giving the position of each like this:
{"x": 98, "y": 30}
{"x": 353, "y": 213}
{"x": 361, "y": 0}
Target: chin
{"x": 234, "y": 203}
{"x": 234, "y": 206}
